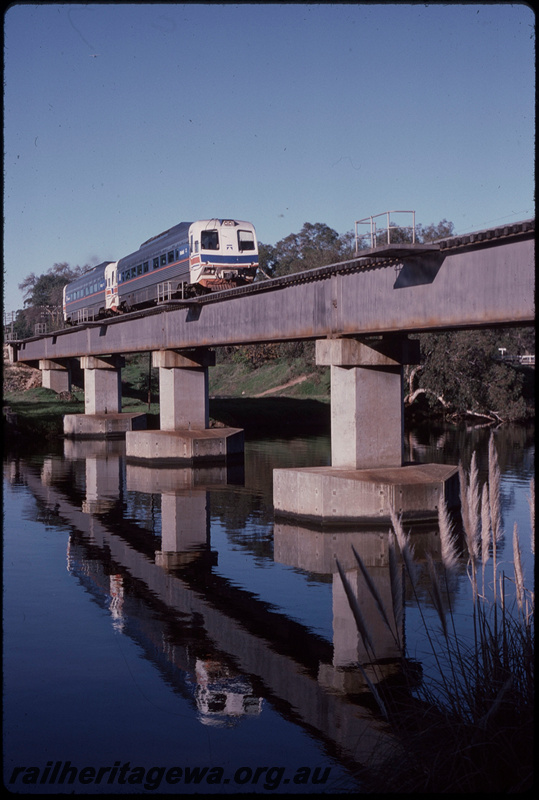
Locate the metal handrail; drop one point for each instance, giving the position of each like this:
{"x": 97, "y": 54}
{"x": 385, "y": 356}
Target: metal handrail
{"x": 371, "y": 221}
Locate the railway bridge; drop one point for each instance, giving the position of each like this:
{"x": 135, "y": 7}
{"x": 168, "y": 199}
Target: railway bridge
{"x": 360, "y": 312}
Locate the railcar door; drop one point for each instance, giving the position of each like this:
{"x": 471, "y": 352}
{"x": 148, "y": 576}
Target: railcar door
{"x": 111, "y": 288}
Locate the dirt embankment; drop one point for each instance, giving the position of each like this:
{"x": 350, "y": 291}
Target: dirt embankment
{"x": 19, "y": 377}
{"x": 282, "y": 386}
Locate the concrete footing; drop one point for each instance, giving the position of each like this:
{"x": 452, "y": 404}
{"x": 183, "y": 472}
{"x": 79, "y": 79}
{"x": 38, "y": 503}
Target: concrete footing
{"x": 102, "y": 426}
{"x": 187, "y": 446}
{"x": 335, "y": 495}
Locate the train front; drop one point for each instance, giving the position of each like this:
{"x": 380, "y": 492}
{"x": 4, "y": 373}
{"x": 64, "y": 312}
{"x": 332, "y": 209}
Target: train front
{"x": 223, "y": 253}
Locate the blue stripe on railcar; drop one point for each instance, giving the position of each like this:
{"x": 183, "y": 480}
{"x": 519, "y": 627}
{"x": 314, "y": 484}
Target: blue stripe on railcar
{"x": 208, "y": 258}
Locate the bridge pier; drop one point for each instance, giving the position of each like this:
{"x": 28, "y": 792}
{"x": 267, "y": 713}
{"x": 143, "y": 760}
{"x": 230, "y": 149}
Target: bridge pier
{"x": 367, "y": 423}
{"x": 55, "y": 375}
{"x": 102, "y": 384}
{"x": 367, "y": 474}
{"x": 183, "y": 389}
{"x": 185, "y": 435}
{"x": 103, "y": 417}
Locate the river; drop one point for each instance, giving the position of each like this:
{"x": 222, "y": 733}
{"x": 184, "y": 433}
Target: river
{"x": 164, "y": 633}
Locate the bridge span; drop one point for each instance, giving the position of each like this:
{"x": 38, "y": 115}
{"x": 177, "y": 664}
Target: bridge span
{"x": 482, "y": 279}
{"x": 360, "y": 313}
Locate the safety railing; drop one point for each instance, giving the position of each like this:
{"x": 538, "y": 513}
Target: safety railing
{"x": 164, "y": 291}
{"x": 380, "y": 235}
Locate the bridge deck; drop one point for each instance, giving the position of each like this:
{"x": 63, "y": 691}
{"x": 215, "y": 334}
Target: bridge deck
{"x": 473, "y": 281}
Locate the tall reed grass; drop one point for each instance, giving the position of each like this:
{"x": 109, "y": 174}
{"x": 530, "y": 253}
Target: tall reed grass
{"x": 469, "y": 726}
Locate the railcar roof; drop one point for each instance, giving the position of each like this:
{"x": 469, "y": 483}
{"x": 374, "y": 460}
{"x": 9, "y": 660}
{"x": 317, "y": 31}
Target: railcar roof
{"x": 91, "y": 274}
{"x": 179, "y": 228}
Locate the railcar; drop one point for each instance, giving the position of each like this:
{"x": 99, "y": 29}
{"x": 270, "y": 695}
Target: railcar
{"x": 84, "y": 298}
{"x": 188, "y": 259}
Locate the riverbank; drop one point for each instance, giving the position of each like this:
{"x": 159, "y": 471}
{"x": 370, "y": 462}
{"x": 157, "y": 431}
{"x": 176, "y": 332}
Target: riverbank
{"x": 272, "y": 399}
{"x": 280, "y": 397}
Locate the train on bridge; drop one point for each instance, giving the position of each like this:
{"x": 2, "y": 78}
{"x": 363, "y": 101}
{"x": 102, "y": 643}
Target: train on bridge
{"x": 187, "y": 260}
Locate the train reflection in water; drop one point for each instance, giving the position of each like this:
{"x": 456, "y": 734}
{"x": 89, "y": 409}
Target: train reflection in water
{"x": 141, "y": 545}
{"x": 222, "y": 696}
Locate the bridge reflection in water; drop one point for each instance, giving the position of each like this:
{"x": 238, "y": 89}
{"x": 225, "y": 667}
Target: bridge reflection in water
{"x": 217, "y": 644}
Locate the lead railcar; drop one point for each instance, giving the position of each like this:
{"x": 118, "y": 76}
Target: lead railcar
{"x": 188, "y": 259}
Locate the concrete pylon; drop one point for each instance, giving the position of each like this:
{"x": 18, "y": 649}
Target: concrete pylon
{"x": 102, "y": 384}
{"x": 183, "y": 389}
{"x": 55, "y": 375}
{"x": 367, "y": 415}
{"x": 102, "y": 418}
{"x": 185, "y": 434}
{"x": 367, "y": 477}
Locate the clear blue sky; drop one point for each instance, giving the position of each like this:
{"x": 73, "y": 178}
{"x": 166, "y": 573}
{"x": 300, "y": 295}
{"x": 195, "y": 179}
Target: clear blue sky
{"x": 122, "y": 120}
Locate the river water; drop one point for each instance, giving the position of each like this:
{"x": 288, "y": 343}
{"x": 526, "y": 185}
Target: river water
{"x": 164, "y": 633}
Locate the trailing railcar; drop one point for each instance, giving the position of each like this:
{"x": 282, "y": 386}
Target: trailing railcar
{"x": 84, "y": 298}
{"x": 188, "y": 259}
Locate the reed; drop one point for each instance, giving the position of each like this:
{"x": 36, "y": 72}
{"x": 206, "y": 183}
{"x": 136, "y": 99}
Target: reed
{"x": 469, "y": 726}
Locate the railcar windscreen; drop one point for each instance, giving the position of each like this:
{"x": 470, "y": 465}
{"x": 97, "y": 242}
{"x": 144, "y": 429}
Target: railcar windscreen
{"x": 246, "y": 240}
{"x": 209, "y": 240}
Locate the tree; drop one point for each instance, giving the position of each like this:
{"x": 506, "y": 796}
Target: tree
{"x": 46, "y": 289}
{"x": 430, "y": 233}
{"x": 43, "y": 296}
{"x": 314, "y": 246}
{"x": 461, "y": 372}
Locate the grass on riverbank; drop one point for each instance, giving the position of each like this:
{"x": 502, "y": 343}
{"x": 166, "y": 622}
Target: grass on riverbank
{"x": 469, "y": 727}
{"x": 283, "y": 378}
{"x": 299, "y": 408}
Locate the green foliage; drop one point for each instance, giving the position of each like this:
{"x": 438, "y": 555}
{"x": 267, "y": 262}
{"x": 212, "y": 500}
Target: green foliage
{"x": 39, "y": 411}
{"x": 139, "y": 376}
{"x": 430, "y": 233}
{"x": 314, "y": 246}
{"x": 43, "y": 298}
{"x": 254, "y": 356}
{"x": 462, "y": 372}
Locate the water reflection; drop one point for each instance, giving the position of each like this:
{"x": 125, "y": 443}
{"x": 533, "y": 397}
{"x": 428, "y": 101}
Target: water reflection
{"x": 144, "y": 543}
{"x": 317, "y": 551}
{"x": 214, "y": 642}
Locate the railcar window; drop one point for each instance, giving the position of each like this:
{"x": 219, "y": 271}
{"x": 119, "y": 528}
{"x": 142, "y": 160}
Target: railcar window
{"x": 145, "y": 266}
{"x": 170, "y": 257}
{"x": 139, "y": 269}
{"x": 163, "y": 260}
{"x": 246, "y": 241}
{"x": 155, "y": 263}
{"x": 209, "y": 240}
